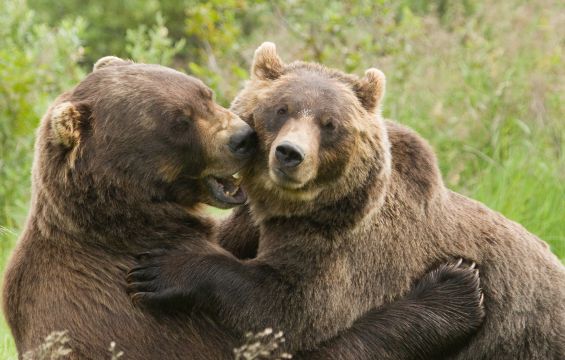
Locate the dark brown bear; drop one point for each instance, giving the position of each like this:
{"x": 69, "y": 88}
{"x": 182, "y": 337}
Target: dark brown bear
{"x": 123, "y": 162}
{"x": 350, "y": 210}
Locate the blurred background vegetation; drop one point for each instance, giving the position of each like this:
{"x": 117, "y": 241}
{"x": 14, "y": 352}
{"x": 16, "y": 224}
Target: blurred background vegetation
{"x": 483, "y": 81}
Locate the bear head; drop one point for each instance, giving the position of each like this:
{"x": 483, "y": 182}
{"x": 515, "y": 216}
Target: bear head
{"x": 321, "y": 135}
{"x": 146, "y": 131}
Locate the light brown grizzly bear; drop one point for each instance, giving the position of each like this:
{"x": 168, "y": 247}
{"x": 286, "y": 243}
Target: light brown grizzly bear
{"x": 350, "y": 210}
{"x": 123, "y": 162}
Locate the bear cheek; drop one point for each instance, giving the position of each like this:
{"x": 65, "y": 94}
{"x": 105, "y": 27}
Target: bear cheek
{"x": 333, "y": 163}
{"x": 189, "y": 152}
{"x": 169, "y": 170}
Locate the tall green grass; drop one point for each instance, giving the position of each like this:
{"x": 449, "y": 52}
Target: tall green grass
{"x": 482, "y": 81}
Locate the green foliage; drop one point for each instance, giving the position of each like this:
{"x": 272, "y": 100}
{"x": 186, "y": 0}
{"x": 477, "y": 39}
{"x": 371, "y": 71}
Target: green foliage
{"x": 107, "y": 22}
{"x": 36, "y": 64}
{"x": 483, "y": 81}
{"x": 153, "y": 46}
{"x": 216, "y": 24}
{"x": 220, "y": 31}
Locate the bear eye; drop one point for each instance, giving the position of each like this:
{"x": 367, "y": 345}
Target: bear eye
{"x": 329, "y": 124}
{"x": 182, "y": 123}
{"x": 282, "y": 110}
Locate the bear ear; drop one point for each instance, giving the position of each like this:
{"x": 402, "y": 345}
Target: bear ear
{"x": 267, "y": 65}
{"x": 371, "y": 88}
{"x": 65, "y": 122}
{"x": 110, "y": 61}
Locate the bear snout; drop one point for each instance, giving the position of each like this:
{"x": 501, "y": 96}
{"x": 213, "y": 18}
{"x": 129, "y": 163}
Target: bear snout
{"x": 243, "y": 142}
{"x": 289, "y": 155}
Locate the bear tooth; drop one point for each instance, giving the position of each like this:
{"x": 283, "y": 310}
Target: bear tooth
{"x": 237, "y": 179}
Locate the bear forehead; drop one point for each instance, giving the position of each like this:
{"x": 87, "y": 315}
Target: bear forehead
{"x": 143, "y": 84}
{"x": 147, "y": 79}
{"x": 313, "y": 90}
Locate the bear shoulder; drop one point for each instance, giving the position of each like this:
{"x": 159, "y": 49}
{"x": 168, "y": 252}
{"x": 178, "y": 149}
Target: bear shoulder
{"x": 414, "y": 162}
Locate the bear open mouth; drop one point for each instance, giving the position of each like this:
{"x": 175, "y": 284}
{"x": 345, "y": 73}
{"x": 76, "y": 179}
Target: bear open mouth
{"x": 227, "y": 190}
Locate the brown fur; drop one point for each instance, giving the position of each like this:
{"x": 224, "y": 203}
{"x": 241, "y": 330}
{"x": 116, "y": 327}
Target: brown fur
{"x": 404, "y": 221}
{"x": 373, "y": 218}
{"x": 120, "y": 168}
{"x": 164, "y": 277}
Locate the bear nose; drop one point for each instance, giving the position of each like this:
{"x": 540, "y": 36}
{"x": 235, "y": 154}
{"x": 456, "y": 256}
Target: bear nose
{"x": 289, "y": 155}
{"x": 243, "y": 142}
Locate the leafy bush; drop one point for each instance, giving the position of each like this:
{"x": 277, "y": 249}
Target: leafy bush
{"x": 152, "y": 45}
{"x": 36, "y": 64}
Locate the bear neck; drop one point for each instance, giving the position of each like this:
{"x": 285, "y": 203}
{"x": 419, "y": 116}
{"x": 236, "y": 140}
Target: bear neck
{"x": 122, "y": 219}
